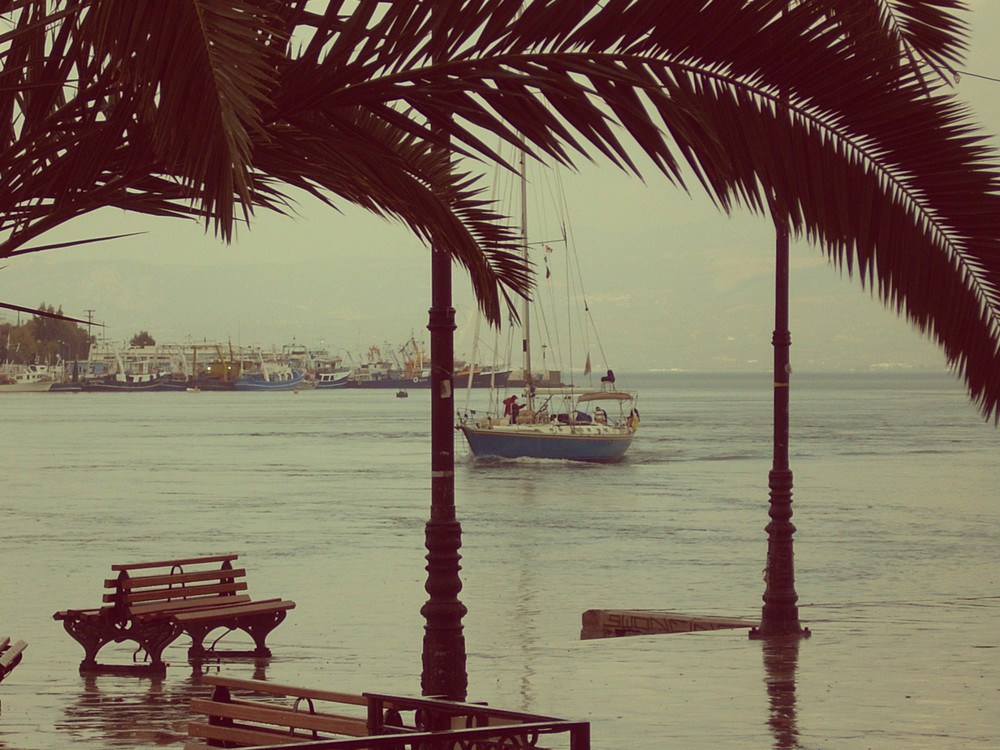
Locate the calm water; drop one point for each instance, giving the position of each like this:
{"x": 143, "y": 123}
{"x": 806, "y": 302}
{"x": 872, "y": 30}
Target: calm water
{"x": 325, "y": 495}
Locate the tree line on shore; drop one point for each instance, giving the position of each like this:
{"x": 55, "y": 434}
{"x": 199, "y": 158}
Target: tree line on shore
{"x": 49, "y": 340}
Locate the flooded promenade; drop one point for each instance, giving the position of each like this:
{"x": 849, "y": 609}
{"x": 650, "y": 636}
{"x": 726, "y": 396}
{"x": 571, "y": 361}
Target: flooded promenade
{"x": 324, "y": 496}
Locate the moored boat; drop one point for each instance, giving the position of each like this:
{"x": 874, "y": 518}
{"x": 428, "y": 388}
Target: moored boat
{"x": 270, "y": 377}
{"x": 409, "y": 368}
{"x": 123, "y": 383}
{"x": 26, "y": 378}
{"x": 334, "y": 379}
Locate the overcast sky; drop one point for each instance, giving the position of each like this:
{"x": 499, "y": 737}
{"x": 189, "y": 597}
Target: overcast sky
{"x": 672, "y": 283}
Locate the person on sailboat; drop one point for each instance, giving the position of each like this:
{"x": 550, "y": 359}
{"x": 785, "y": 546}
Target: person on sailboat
{"x": 508, "y": 405}
{"x": 515, "y": 409}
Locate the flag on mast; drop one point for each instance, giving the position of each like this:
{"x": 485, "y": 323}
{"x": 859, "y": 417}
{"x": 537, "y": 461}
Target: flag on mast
{"x": 586, "y": 367}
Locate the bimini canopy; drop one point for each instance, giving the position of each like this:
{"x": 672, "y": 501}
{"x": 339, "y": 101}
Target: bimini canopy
{"x": 605, "y": 396}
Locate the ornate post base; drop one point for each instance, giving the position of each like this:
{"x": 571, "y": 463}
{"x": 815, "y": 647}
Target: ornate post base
{"x": 444, "y": 673}
{"x": 780, "y": 613}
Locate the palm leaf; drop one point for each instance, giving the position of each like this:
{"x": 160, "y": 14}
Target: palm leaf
{"x": 828, "y": 115}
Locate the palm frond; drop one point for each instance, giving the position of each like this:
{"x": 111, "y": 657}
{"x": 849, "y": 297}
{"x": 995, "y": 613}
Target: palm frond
{"x": 832, "y": 116}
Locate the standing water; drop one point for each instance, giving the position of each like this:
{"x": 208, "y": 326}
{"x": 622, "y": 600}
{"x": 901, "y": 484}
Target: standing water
{"x": 324, "y": 495}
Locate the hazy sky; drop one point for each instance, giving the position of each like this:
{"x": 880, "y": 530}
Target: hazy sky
{"x": 671, "y": 282}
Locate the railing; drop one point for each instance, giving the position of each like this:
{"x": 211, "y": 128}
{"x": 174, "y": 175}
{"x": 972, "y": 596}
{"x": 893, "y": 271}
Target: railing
{"x": 450, "y": 725}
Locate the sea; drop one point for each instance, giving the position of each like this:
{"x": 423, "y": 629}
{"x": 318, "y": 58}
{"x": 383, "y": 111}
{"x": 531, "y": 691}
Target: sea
{"x": 325, "y": 495}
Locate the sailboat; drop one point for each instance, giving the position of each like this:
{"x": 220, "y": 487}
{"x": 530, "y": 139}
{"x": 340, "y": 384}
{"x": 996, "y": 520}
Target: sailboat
{"x": 557, "y": 420}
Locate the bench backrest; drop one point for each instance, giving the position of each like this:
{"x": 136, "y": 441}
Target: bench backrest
{"x": 268, "y": 713}
{"x": 168, "y": 586}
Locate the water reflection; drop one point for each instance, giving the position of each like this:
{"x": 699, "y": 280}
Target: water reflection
{"x": 130, "y": 711}
{"x": 781, "y": 660}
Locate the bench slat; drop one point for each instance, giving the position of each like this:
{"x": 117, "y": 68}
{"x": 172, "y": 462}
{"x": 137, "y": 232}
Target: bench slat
{"x": 244, "y": 736}
{"x": 175, "y": 579}
{"x": 278, "y": 716}
{"x": 271, "y": 688}
{"x": 220, "y": 611}
{"x": 68, "y": 614}
{"x": 167, "y": 608}
{"x": 10, "y": 655}
{"x": 171, "y": 563}
{"x": 181, "y": 592}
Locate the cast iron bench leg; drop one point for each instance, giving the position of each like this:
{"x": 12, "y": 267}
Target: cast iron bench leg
{"x": 93, "y": 633}
{"x": 256, "y": 626}
{"x": 155, "y": 636}
{"x": 260, "y": 626}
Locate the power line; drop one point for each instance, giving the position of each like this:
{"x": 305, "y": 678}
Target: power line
{"x": 976, "y": 75}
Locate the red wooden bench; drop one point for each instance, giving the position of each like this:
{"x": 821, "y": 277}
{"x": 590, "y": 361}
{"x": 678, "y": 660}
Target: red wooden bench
{"x": 154, "y": 603}
{"x": 242, "y": 713}
{"x": 259, "y": 714}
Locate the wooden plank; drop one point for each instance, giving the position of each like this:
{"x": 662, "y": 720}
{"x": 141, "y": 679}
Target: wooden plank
{"x": 271, "y": 688}
{"x": 67, "y": 614}
{"x": 281, "y": 716}
{"x": 613, "y": 623}
{"x": 186, "y": 592}
{"x": 238, "y": 610}
{"x": 244, "y": 736}
{"x": 202, "y": 602}
{"x": 11, "y": 655}
{"x": 174, "y": 579}
{"x": 171, "y": 563}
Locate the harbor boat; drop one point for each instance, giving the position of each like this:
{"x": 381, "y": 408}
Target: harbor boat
{"x": 409, "y": 367}
{"x": 124, "y": 373}
{"x": 218, "y": 372}
{"x": 556, "y": 420}
{"x": 270, "y": 376}
{"x": 123, "y": 382}
{"x": 332, "y": 379}
{"x": 482, "y": 376}
{"x": 26, "y": 378}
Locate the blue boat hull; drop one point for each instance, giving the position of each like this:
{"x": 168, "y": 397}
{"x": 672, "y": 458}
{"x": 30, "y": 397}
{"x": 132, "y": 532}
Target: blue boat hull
{"x": 486, "y": 443}
{"x": 259, "y": 384}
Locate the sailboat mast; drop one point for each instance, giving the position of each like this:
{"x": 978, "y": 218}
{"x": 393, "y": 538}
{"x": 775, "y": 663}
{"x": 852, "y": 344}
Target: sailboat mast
{"x": 525, "y": 304}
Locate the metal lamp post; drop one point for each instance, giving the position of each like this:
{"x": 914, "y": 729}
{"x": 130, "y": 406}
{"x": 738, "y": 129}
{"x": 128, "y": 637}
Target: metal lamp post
{"x": 444, "y": 672}
{"x": 780, "y": 613}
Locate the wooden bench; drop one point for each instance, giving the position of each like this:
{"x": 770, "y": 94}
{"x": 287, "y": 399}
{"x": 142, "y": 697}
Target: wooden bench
{"x": 285, "y": 715}
{"x": 10, "y": 655}
{"x": 154, "y": 603}
{"x": 275, "y": 716}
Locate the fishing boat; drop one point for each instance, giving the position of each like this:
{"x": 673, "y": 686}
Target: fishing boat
{"x": 407, "y": 368}
{"x": 481, "y": 376}
{"x": 218, "y": 372}
{"x": 26, "y": 378}
{"x": 332, "y": 379}
{"x": 557, "y": 420}
{"x": 270, "y": 376}
{"x": 123, "y": 371}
